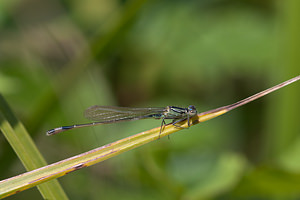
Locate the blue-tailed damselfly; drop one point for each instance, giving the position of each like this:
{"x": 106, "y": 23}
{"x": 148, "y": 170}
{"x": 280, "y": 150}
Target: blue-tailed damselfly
{"x": 112, "y": 114}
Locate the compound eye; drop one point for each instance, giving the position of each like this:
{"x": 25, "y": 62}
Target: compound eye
{"x": 192, "y": 109}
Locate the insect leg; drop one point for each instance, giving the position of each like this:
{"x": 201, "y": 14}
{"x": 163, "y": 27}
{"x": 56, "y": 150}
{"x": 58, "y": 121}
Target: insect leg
{"x": 177, "y": 121}
{"x": 163, "y": 123}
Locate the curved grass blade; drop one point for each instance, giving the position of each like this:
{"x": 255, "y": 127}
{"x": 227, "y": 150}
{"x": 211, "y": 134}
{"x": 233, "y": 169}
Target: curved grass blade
{"x": 61, "y": 168}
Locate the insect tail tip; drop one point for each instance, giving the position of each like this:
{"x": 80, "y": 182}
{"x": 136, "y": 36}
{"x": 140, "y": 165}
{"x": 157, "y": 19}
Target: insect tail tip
{"x": 51, "y": 132}
{"x": 54, "y": 131}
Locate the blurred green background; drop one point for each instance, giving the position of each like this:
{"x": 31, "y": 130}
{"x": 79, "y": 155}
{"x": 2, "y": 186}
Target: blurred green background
{"x": 58, "y": 57}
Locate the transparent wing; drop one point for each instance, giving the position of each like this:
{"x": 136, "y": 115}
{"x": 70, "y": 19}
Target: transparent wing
{"x": 109, "y": 114}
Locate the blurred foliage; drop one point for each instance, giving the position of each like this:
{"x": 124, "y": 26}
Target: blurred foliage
{"x": 59, "y": 57}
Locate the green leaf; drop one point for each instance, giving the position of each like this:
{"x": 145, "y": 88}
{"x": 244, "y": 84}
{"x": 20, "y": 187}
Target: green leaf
{"x": 23, "y": 145}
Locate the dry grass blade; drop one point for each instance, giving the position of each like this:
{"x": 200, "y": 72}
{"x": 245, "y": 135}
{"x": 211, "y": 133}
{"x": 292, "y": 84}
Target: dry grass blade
{"x": 38, "y": 176}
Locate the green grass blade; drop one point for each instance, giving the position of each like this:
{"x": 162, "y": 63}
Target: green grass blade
{"x": 21, "y": 142}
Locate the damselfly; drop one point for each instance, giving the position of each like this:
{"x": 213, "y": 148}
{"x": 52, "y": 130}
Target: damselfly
{"x": 112, "y": 114}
